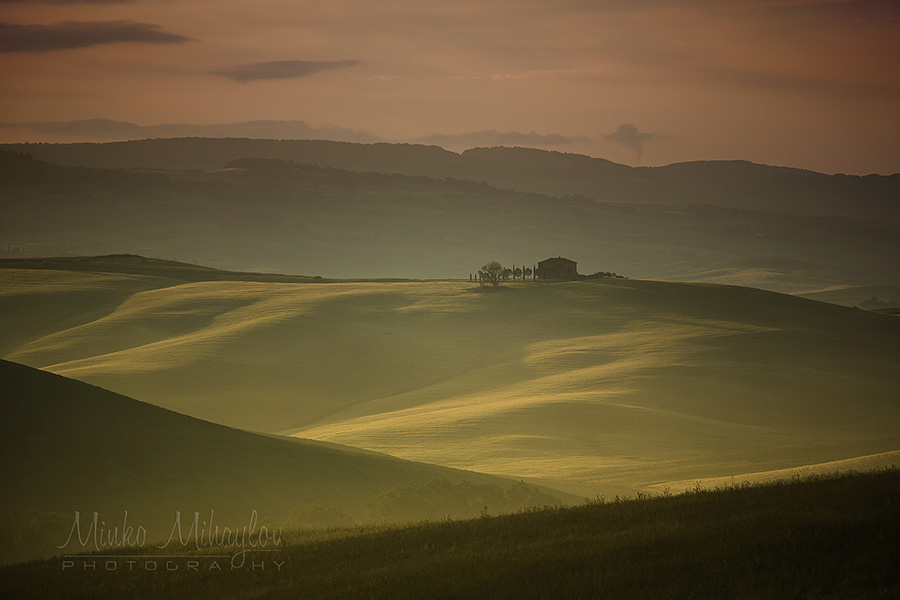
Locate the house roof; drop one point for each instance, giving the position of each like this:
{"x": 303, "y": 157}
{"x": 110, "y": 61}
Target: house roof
{"x": 558, "y": 259}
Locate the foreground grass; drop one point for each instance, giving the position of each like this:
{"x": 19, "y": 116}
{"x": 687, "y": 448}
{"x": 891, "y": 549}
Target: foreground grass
{"x": 824, "y": 537}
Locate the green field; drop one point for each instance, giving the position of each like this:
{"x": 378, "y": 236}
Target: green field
{"x": 592, "y": 387}
{"x": 819, "y": 538}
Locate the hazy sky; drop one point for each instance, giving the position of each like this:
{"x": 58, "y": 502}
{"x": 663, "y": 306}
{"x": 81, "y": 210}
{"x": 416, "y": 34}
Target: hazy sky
{"x": 813, "y": 84}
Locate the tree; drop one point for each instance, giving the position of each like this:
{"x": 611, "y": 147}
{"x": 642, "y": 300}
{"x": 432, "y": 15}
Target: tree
{"x": 517, "y": 273}
{"x": 493, "y": 272}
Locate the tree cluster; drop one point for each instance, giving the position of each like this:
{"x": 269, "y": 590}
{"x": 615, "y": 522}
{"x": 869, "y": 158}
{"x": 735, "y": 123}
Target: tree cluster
{"x": 493, "y": 273}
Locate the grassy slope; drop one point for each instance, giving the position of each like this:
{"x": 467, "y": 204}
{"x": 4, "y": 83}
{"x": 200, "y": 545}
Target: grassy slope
{"x": 69, "y": 446}
{"x": 826, "y": 538}
{"x": 594, "y": 387}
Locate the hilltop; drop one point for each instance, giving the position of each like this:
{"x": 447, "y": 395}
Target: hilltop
{"x": 141, "y": 265}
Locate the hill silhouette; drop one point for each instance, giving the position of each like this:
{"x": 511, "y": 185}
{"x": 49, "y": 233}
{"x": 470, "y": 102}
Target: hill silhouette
{"x": 732, "y": 184}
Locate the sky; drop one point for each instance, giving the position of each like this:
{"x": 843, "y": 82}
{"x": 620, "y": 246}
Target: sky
{"x": 813, "y": 84}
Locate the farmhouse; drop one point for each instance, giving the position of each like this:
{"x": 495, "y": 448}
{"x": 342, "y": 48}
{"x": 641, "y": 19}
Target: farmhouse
{"x": 557, "y": 268}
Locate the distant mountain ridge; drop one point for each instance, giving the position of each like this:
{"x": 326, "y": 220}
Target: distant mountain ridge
{"x": 734, "y": 184}
{"x": 106, "y": 130}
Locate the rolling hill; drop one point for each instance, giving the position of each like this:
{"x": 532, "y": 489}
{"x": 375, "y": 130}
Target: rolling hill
{"x": 594, "y": 387}
{"x": 68, "y": 446}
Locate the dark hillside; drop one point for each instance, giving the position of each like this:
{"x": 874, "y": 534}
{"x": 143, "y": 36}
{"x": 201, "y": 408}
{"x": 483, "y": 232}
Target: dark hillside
{"x": 69, "y": 446}
{"x": 823, "y": 538}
